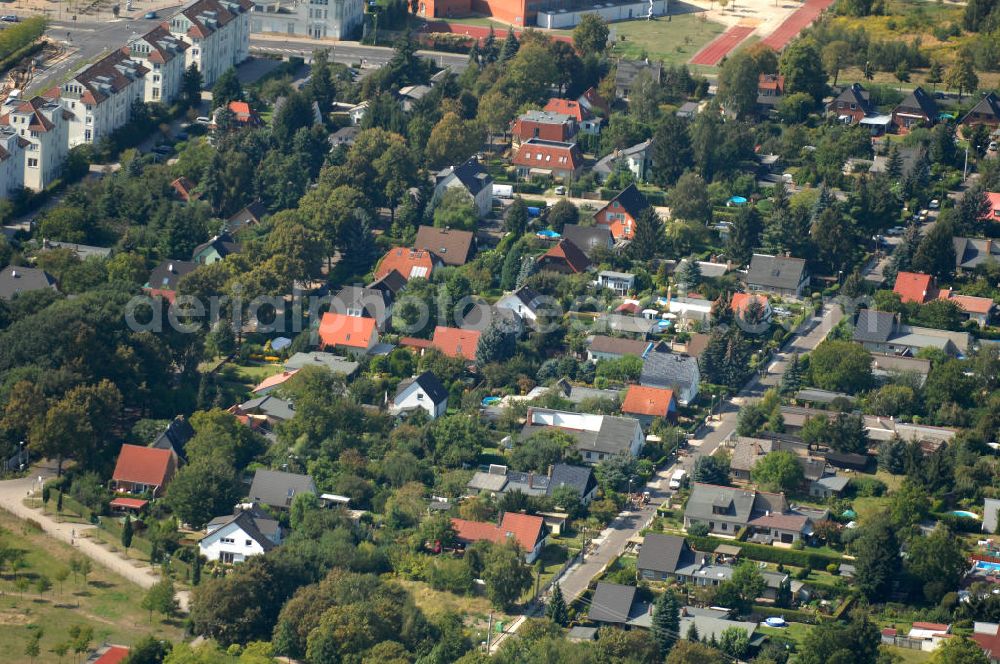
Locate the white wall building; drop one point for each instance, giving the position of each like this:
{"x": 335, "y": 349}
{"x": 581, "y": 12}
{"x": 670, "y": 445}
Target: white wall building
{"x": 44, "y": 125}
{"x": 100, "y": 96}
{"x": 318, "y": 19}
{"x": 235, "y": 538}
{"x": 563, "y": 18}
{"x": 11, "y": 161}
{"x": 218, "y": 32}
{"x": 163, "y": 55}
{"x": 424, "y": 391}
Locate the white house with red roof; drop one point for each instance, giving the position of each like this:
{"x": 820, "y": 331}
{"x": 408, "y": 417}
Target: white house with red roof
{"x": 43, "y": 126}
{"x": 585, "y": 120}
{"x": 527, "y": 530}
{"x": 218, "y": 32}
{"x": 347, "y": 333}
{"x": 979, "y": 309}
{"x": 557, "y": 159}
{"x": 162, "y": 54}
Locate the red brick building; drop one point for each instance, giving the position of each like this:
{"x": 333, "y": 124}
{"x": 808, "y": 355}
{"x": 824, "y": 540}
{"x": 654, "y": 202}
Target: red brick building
{"x": 546, "y": 125}
{"x": 621, "y": 212}
{"x": 515, "y": 12}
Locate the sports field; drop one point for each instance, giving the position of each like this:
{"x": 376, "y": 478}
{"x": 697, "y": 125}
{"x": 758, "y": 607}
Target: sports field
{"x": 673, "y": 39}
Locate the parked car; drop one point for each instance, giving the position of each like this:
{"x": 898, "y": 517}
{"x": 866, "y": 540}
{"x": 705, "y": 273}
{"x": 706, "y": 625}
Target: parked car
{"x": 149, "y": 15}
{"x": 202, "y": 120}
{"x": 10, "y": 18}
{"x": 934, "y": 205}
{"x": 896, "y": 230}
{"x": 560, "y": 190}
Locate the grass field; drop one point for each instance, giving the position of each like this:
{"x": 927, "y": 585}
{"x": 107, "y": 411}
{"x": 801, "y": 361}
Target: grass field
{"x": 673, "y": 41}
{"x": 106, "y": 602}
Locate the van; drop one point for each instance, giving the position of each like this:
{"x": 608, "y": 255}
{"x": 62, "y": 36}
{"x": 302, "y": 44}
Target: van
{"x": 677, "y": 479}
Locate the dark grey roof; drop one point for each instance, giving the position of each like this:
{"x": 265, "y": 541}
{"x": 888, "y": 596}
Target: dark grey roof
{"x": 973, "y": 252}
{"x": 663, "y": 553}
{"x": 167, "y": 274}
{"x": 471, "y": 174}
{"x": 270, "y": 406}
{"x": 736, "y": 504}
{"x": 919, "y": 102}
{"x": 224, "y": 245}
{"x": 782, "y": 272}
{"x": 627, "y": 70}
{"x": 613, "y": 436}
{"x": 249, "y": 525}
{"x": 372, "y": 302}
{"x": 669, "y": 370}
{"x": 854, "y": 94}
{"x": 529, "y": 297}
{"x": 611, "y": 603}
{"x": 874, "y": 326}
{"x": 588, "y": 238}
{"x": 631, "y": 200}
{"x": 248, "y": 216}
{"x": 335, "y": 363}
{"x": 429, "y": 383}
{"x": 989, "y": 105}
{"x": 19, "y": 279}
{"x": 392, "y": 282}
{"x": 175, "y": 437}
{"x": 580, "y": 478}
{"x": 625, "y": 324}
{"x": 278, "y": 489}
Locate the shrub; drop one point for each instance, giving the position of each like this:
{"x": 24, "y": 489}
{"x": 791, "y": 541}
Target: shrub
{"x": 698, "y": 529}
{"x": 833, "y": 568}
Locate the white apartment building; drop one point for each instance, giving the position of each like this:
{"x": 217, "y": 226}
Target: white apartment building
{"x": 163, "y": 55}
{"x": 218, "y": 32}
{"x": 11, "y": 161}
{"x": 44, "y": 125}
{"x": 100, "y": 97}
{"x": 318, "y": 19}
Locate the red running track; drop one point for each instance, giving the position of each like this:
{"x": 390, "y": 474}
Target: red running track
{"x": 793, "y": 25}
{"x": 719, "y": 47}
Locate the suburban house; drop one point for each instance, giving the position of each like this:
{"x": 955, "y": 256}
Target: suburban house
{"x": 471, "y": 178}
{"x": 162, "y": 54}
{"x": 42, "y": 128}
{"x": 584, "y": 119}
{"x": 164, "y": 278}
{"x": 662, "y": 556}
{"x": 770, "y": 90}
{"x": 499, "y": 480}
{"x": 263, "y": 412}
{"x": 364, "y": 302}
{"x": 914, "y": 287}
{"x": 556, "y": 159}
{"x": 278, "y": 489}
{"x": 994, "y": 206}
{"x": 886, "y": 368}
{"x": 829, "y": 486}
{"x": 456, "y": 342}
{"x": 882, "y": 332}
{"x": 614, "y": 604}
{"x": 728, "y": 509}
{"x": 100, "y": 96}
{"x": 978, "y": 309}
{"x": 690, "y": 308}
{"x": 249, "y": 216}
{"x": 184, "y": 189}
{"x": 410, "y": 263}
{"x": 543, "y": 125}
{"x": 267, "y": 385}
{"x": 526, "y": 303}
{"x": 594, "y": 103}
{"x": 621, "y": 212}
{"x": 344, "y": 137}
{"x": 409, "y": 95}
{"x": 677, "y": 372}
{"x": 174, "y": 438}
{"x": 351, "y": 334}
{"x": 648, "y": 403}
{"x": 637, "y": 160}
{"x": 215, "y": 249}
{"x": 597, "y": 437}
{"x": 916, "y": 110}
{"x": 243, "y": 115}
{"x": 626, "y": 72}
{"x": 143, "y": 470}
{"x": 603, "y": 347}
{"x": 985, "y": 112}
{"x": 218, "y": 32}
{"x": 620, "y": 282}
{"x": 589, "y": 238}
{"x": 421, "y": 392}
{"x": 249, "y": 531}
{"x": 564, "y": 258}
{"x": 748, "y": 451}
{"x": 971, "y": 253}
{"x": 527, "y": 530}
{"x": 852, "y": 105}
{"x": 987, "y": 636}
{"x": 11, "y": 161}
{"x": 781, "y": 275}
{"x": 740, "y": 304}
{"x": 17, "y": 279}
{"x": 449, "y": 246}
{"x": 923, "y": 636}
{"x": 336, "y": 364}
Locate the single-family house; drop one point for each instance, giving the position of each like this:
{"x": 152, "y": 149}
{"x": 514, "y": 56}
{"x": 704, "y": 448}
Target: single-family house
{"x": 543, "y": 125}
{"x": 584, "y": 119}
{"x": 174, "y": 438}
{"x": 636, "y": 327}
{"x": 273, "y": 381}
{"x": 184, "y": 188}
{"x": 249, "y": 216}
{"x": 978, "y": 309}
{"x": 626, "y": 72}
{"x": 648, "y": 403}
{"x": 971, "y": 253}
{"x": 636, "y": 159}
{"x": 564, "y": 258}
{"x": 770, "y": 90}
{"x": 215, "y": 249}
{"x": 985, "y": 112}
{"x": 675, "y": 371}
{"x": 661, "y": 556}
{"x": 411, "y": 94}
{"x": 782, "y": 275}
{"x": 471, "y": 178}
{"x": 344, "y": 137}
{"x": 594, "y": 102}
{"x": 883, "y": 332}
{"x": 364, "y": 302}
{"x": 410, "y": 263}
{"x": 993, "y": 211}
{"x": 916, "y": 110}
{"x": 622, "y": 283}
{"x": 589, "y": 238}
{"x": 264, "y": 412}
{"x": 17, "y": 279}
{"x": 350, "y": 334}
{"x": 914, "y": 287}
{"x": 556, "y": 159}
{"x": 597, "y": 437}
{"x": 688, "y": 309}
{"x": 743, "y": 304}
{"x": 887, "y": 368}
{"x": 278, "y": 489}
{"x": 923, "y": 636}
{"x": 336, "y": 364}
{"x": 424, "y": 392}
{"x": 248, "y": 532}
{"x": 987, "y": 636}
{"x": 622, "y": 211}
{"x": 143, "y": 470}
{"x": 602, "y": 347}
{"x": 728, "y": 509}
{"x": 456, "y": 342}
{"x": 828, "y": 486}
{"x": 526, "y": 529}
{"x": 242, "y": 114}
{"x": 451, "y": 247}
{"x": 527, "y": 303}
{"x": 499, "y": 479}
{"x": 165, "y": 277}
{"x": 852, "y": 105}
{"x": 613, "y": 604}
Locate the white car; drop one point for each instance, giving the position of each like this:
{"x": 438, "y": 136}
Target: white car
{"x": 934, "y": 205}
{"x": 560, "y": 191}
{"x": 203, "y": 120}
{"x": 896, "y": 230}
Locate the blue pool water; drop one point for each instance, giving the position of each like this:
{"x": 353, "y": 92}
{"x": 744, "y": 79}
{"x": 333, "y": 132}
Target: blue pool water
{"x": 970, "y": 515}
{"x": 548, "y": 234}
{"x": 987, "y": 567}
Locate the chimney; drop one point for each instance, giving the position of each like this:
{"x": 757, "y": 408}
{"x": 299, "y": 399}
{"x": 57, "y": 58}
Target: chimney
{"x": 989, "y": 245}
{"x": 170, "y": 267}
{"x": 549, "y": 472}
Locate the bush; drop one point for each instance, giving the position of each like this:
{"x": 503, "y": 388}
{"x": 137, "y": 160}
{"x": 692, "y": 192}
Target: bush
{"x": 960, "y": 524}
{"x": 698, "y": 529}
{"x": 803, "y": 573}
{"x": 791, "y": 615}
{"x": 450, "y": 574}
{"x": 867, "y": 487}
{"x": 770, "y": 554}
{"x": 833, "y": 568}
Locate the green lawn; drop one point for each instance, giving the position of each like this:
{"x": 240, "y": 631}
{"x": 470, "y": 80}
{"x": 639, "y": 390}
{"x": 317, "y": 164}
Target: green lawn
{"x": 106, "y": 602}
{"x": 795, "y": 631}
{"x": 674, "y": 41}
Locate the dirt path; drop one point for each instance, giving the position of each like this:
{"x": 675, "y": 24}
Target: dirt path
{"x": 12, "y": 495}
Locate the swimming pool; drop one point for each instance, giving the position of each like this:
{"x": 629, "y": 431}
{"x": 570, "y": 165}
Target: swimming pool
{"x": 968, "y": 515}
{"x": 987, "y": 566}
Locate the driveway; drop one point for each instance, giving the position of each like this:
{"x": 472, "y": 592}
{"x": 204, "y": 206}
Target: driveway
{"x": 12, "y": 495}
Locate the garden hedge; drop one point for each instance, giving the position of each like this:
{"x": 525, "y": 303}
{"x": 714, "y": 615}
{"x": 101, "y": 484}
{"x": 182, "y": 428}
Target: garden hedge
{"x": 769, "y": 554}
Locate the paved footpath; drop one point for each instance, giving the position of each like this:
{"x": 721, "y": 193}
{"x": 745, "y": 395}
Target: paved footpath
{"x": 12, "y": 495}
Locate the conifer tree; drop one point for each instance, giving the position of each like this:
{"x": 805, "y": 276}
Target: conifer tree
{"x": 666, "y": 621}
{"x": 556, "y": 610}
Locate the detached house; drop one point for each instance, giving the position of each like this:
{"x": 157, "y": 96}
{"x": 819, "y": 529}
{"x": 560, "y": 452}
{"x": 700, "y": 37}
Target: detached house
{"x": 218, "y": 32}
{"x": 143, "y": 470}
{"x": 598, "y": 437}
{"x": 603, "y": 347}
{"x": 42, "y": 144}
{"x": 662, "y": 556}
{"x": 622, "y": 211}
{"x": 626, "y": 71}
{"x": 674, "y": 371}
{"x": 580, "y": 114}
{"x": 978, "y": 309}
{"x": 971, "y": 253}
{"x": 527, "y": 530}
{"x": 456, "y": 342}
{"x": 914, "y": 287}
{"x": 17, "y": 279}
{"x": 589, "y": 238}
{"x": 985, "y": 112}
{"x": 421, "y": 392}
{"x": 916, "y": 110}
{"x": 248, "y": 532}
{"x": 565, "y": 258}
{"x": 162, "y": 54}
{"x": 637, "y": 160}
{"x": 278, "y": 489}
{"x": 409, "y": 263}
{"x": 648, "y": 403}
{"x": 543, "y": 125}
{"x": 883, "y": 332}
{"x": 727, "y": 509}
{"x": 364, "y": 302}
{"x": 500, "y": 480}
{"x": 852, "y": 105}
{"x": 175, "y": 437}
{"x": 770, "y": 90}
{"x": 450, "y": 247}
{"x": 471, "y": 178}
{"x": 556, "y": 159}
{"x": 526, "y": 303}
{"x": 781, "y": 275}
{"x": 351, "y": 334}
{"x": 164, "y": 278}
{"x": 215, "y": 249}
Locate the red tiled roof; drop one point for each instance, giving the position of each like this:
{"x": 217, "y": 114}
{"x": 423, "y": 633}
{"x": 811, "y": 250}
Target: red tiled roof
{"x": 241, "y": 110}
{"x": 201, "y": 11}
{"x": 38, "y": 121}
{"x": 990, "y": 643}
{"x": 548, "y": 155}
{"x": 275, "y": 380}
{"x": 456, "y": 342}
{"x": 524, "y": 528}
{"x": 931, "y": 627}
{"x": 651, "y": 401}
{"x": 566, "y": 107}
{"x": 994, "y": 213}
{"x": 113, "y": 655}
{"x": 142, "y": 465}
{"x": 913, "y": 287}
{"x": 108, "y": 76}
{"x": 570, "y": 254}
{"x": 130, "y": 503}
{"x": 348, "y": 331}
{"x": 414, "y": 342}
{"x": 970, "y": 304}
{"x": 771, "y": 82}
{"x": 740, "y": 301}
{"x": 406, "y": 262}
